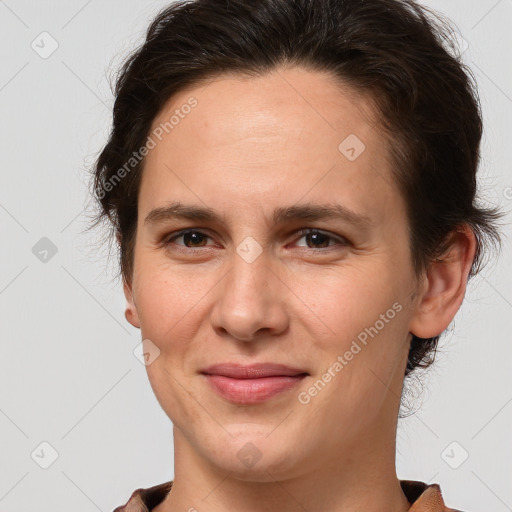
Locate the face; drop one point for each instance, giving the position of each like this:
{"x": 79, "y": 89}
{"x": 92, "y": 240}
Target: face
{"x": 296, "y": 253}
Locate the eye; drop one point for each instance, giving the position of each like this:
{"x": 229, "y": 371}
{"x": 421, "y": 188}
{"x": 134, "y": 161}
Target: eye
{"x": 195, "y": 239}
{"x": 192, "y": 239}
{"x": 320, "y": 239}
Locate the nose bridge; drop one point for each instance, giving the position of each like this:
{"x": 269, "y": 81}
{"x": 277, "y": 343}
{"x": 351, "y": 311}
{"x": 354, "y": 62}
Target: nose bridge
{"x": 249, "y": 300}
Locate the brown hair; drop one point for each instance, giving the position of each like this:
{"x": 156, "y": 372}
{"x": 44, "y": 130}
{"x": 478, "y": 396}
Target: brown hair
{"x": 396, "y": 51}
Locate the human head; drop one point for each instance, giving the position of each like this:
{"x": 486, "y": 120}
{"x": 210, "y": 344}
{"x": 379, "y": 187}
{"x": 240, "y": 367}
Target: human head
{"x": 391, "y": 51}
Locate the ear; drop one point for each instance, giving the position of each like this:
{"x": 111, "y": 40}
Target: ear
{"x": 444, "y": 285}
{"x": 130, "y": 312}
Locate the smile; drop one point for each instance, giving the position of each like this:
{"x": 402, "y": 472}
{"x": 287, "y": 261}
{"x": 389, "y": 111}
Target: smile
{"x": 253, "y": 384}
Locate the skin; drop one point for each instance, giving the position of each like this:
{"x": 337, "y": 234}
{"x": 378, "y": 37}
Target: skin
{"x": 249, "y": 146}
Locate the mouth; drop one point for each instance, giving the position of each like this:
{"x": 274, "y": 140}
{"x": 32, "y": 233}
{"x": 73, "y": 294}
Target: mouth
{"x": 252, "y": 384}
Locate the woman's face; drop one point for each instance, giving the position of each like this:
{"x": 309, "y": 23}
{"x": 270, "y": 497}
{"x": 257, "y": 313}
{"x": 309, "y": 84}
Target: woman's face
{"x": 246, "y": 286}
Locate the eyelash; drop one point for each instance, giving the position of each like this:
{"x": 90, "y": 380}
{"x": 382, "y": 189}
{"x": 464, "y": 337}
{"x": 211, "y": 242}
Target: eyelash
{"x": 169, "y": 240}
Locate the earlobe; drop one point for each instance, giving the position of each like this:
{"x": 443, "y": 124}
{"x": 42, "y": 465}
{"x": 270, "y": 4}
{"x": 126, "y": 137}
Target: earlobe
{"x": 130, "y": 313}
{"x": 444, "y": 286}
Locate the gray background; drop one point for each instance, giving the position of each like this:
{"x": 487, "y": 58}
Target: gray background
{"x": 68, "y": 374}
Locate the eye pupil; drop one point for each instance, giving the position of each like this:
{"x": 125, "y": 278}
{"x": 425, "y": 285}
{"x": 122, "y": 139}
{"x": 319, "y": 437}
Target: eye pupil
{"x": 194, "y": 237}
{"x": 321, "y": 235}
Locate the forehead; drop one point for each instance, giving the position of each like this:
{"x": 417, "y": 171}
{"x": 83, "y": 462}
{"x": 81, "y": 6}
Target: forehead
{"x": 230, "y": 108}
{"x": 248, "y": 140}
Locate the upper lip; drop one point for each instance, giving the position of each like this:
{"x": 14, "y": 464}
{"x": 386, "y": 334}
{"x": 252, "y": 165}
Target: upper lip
{"x": 252, "y": 371}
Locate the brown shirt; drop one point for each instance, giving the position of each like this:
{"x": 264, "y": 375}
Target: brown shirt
{"x": 422, "y": 497}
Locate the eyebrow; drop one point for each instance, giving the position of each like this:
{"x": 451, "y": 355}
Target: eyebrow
{"x": 306, "y": 212}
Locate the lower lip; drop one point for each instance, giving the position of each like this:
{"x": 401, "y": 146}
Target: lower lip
{"x": 252, "y": 391}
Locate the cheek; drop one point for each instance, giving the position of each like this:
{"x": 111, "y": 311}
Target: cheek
{"x": 169, "y": 310}
{"x": 361, "y": 368}
{"x": 360, "y": 337}
{"x": 344, "y": 301}
{"x": 166, "y": 300}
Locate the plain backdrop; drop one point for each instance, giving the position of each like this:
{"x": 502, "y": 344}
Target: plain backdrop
{"x": 73, "y": 395}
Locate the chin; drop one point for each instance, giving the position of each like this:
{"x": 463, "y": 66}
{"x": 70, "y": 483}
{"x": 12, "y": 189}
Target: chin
{"x": 254, "y": 455}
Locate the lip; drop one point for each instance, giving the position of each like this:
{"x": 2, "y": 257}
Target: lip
{"x": 252, "y": 384}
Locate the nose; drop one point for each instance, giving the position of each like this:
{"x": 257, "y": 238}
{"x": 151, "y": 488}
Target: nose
{"x": 250, "y": 302}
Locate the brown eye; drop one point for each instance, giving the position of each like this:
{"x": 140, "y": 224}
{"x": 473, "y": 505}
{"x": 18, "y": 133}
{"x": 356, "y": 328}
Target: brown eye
{"x": 316, "y": 239}
{"x": 191, "y": 239}
{"x": 194, "y": 237}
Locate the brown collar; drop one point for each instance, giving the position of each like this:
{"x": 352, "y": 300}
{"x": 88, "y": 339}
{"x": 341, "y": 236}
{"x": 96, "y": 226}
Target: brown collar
{"x": 423, "y": 497}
